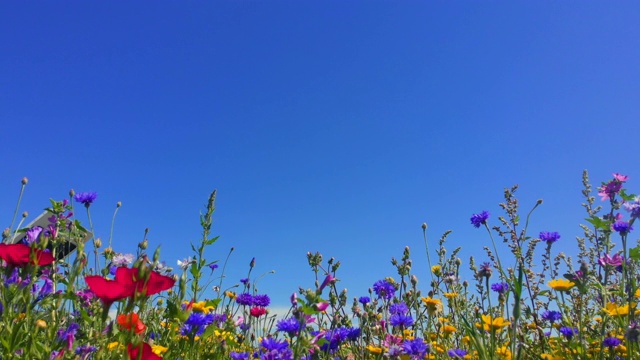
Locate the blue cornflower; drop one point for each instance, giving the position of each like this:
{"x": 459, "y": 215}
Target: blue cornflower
{"x": 416, "y": 348}
{"x": 622, "y": 227}
{"x": 384, "y": 289}
{"x": 479, "y": 219}
{"x": 85, "y": 350}
{"x": 353, "y": 333}
{"x": 551, "y": 316}
{"x": 568, "y": 332}
{"x": 196, "y": 324}
{"x": 549, "y": 237}
{"x": 86, "y": 198}
{"x": 245, "y": 299}
{"x": 239, "y": 356}
{"x": 261, "y": 300}
{"x": 272, "y": 344}
{"x": 611, "y": 342}
{"x": 401, "y": 320}
{"x": 213, "y": 266}
{"x": 244, "y": 281}
{"x": 291, "y": 326}
{"x": 457, "y": 353}
{"x": 633, "y": 207}
{"x": 500, "y": 288}
{"x": 398, "y": 308}
{"x": 364, "y": 300}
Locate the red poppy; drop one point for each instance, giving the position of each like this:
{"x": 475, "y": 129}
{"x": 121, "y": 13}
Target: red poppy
{"x": 142, "y": 352}
{"x": 126, "y": 284}
{"x": 257, "y": 311}
{"x": 20, "y": 255}
{"x": 131, "y": 321}
{"x": 155, "y": 284}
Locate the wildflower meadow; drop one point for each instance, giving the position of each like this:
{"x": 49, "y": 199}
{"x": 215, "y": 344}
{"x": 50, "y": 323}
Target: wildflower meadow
{"x": 67, "y": 294}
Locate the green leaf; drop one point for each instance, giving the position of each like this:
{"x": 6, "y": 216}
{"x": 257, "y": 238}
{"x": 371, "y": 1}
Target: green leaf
{"x": 634, "y": 253}
{"x": 211, "y": 241}
{"x": 598, "y": 222}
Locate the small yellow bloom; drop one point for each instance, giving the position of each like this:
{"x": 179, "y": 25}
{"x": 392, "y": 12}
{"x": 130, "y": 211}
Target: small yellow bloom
{"x": 503, "y": 353}
{"x": 561, "y": 284}
{"x": 614, "y": 310}
{"x": 374, "y": 349}
{"x": 159, "y": 350}
{"x": 200, "y": 306}
{"x": 450, "y": 295}
{"x": 230, "y": 294}
{"x": 433, "y": 305}
{"x": 491, "y": 324}
{"x": 448, "y": 329}
{"x": 112, "y": 345}
{"x": 436, "y": 270}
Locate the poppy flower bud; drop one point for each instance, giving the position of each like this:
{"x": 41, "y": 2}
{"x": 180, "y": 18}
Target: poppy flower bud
{"x": 98, "y": 243}
{"x": 25, "y": 214}
{"x": 424, "y": 226}
{"x": 143, "y": 244}
{"x": 25, "y": 181}
{"x": 72, "y": 192}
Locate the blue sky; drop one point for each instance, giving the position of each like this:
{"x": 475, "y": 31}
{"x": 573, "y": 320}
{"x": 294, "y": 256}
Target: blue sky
{"x": 331, "y": 126}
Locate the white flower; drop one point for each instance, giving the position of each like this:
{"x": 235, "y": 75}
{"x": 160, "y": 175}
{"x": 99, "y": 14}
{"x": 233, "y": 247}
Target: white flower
{"x": 184, "y": 264}
{"x": 122, "y": 259}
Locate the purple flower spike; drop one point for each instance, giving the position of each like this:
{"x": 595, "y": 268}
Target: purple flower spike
{"x": 479, "y": 219}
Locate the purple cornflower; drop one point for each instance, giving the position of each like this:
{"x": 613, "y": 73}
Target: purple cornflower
{"x": 500, "y": 288}
{"x": 244, "y": 281}
{"x": 551, "y": 316}
{"x": 416, "y": 348}
{"x": 622, "y": 227}
{"x": 549, "y": 237}
{"x": 633, "y": 207}
{"x": 364, "y": 300}
{"x": 239, "y": 356}
{"x": 68, "y": 335}
{"x": 86, "y": 198}
{"x": 568, "y": 332}
{"x": 479, "y": 219}
{"x": 611, "y": 342}
{"x": 384, "y": 289}
{"x": 291, "y": 326}
{"x": 85, "y": 350}
{"x": 398, "y": 308}
{"x": 457, "y": 353}
{"x": 245, "y": 299}
{"x": 196, "y": 324}
{"x": 401, "y": 320}
{"x": 213, "y": 266}
{"x": 272, "y": 344}
{"x": 261, "y": 300}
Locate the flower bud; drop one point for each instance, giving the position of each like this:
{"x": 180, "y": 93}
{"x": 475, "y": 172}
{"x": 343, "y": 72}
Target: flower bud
{"x": 118, "y": 204}
{"x": 25, "y": 214}
{"x": 98, "y": 243}
{"x": 25, "y": 180}
{"x": 72, "y": 192}
{"x": 424, "y": 226}
{"x": 143, "y": 244}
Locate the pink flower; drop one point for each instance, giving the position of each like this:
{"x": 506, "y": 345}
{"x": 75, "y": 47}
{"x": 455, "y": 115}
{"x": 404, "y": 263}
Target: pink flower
{"x": 621, "y": 178}
{"x": 616, "y": 260}
{"x": 322, "y": 306}
{"x": 257, "y": 311}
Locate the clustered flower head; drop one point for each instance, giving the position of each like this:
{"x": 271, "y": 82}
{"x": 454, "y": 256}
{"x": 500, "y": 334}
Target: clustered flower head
{"x": 549, "y": 237}
{"x": 622, "y": 227}
{"x": 480, "y": 219}
{"x": 500, "y": 288}
{"x": 384, "y": 289}
{"x": 610, "y": 189}
{"x": 86, "y": 198}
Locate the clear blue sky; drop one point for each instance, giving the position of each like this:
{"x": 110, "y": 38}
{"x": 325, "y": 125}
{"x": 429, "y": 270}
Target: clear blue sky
{"x": 331, "y": 126}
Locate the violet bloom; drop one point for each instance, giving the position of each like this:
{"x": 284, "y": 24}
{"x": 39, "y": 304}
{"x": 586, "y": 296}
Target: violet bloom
{"x": 622, "y": 227}
{"x": 480, "y": 219}
{"x": 364, "y": 300}
{"x": 86, "y": 198}
{"x": 457, "y": 353}
{"x": 610, "y": 189}
{"x": 568, "y": 332}
{"x": 261, "y": 300}
{"x": 551, "y": 316}
{"x": 633, "y": 207}
{"x": 384, "y": 289}
{"x": 415, "y": 348}
{"x": 398, "y": 308}
{"x": 549, "y": 237}
{"x": 239, "y": 356}
{"x": 245, "y": 299}
{"x": 500, "y": 288}
{"x": 291, "y": 326}
{"x": 611, "y": 342}
{"x": 33, "y": 234}
{"x": 213, "y": 266}
{"x": 401, "y": 320}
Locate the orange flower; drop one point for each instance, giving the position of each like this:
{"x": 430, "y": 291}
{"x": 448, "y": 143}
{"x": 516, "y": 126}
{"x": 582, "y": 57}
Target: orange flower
{"x": 131, "y": 321}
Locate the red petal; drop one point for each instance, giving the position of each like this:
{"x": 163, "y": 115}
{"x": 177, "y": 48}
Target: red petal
{"x": 15, "y": 254}
{"x": 107, "y": 290}
{"x": 147, "y": 352}
{"x": 154, "y": 285}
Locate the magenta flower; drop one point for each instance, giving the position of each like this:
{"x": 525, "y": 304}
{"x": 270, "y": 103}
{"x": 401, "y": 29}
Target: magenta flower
{"x": 614, "y": 261}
